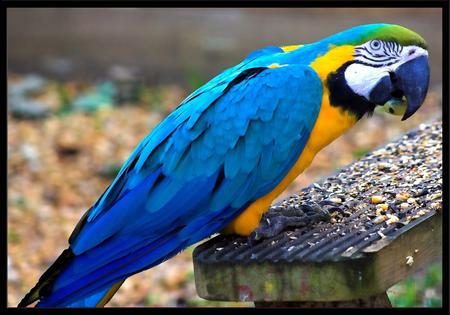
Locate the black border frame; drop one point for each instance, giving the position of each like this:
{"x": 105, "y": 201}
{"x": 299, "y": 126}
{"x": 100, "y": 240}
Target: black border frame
{"x": 443, "y": 4}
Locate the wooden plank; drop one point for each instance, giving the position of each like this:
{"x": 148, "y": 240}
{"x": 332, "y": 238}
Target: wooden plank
{"x": 382, "y": 265}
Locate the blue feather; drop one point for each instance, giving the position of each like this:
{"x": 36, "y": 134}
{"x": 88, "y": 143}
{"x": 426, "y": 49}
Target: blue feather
{"x": 200, "y": 167}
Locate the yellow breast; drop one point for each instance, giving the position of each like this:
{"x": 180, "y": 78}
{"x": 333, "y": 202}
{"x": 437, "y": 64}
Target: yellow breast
{"x": 330, "y": 124}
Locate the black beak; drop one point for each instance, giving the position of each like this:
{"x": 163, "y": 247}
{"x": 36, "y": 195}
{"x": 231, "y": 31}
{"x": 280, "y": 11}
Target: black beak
{"x": 411, "y": 79}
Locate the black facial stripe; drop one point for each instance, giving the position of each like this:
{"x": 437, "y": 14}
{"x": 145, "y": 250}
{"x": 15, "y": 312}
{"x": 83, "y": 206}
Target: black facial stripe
{"x": 389, "y": 51}
{"x": 388, "y": 47}
{"x": 375, "y": 57}
{"x": 374, "y": 65}
{"x": 366, "y": 53}
{"x": 363, "y": 48}
{"x": 396, "y": 49}
{"x": 376, "y": 60}
{"x": 392, "y": 47}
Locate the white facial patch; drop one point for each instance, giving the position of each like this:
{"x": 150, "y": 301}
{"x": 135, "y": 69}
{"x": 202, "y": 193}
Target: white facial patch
{"x": 374, "y": 60}
{"x": 362, "y": 78}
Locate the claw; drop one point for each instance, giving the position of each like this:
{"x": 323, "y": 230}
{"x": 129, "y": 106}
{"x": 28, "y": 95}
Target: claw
{"x": 252, "y": 238}
{"x": 275, "y": 220}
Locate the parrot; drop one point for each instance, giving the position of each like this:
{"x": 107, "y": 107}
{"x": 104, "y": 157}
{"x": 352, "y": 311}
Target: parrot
{"x": 217, "y": 162}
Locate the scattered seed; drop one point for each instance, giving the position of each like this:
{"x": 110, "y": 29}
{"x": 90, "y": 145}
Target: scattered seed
{"x": 380, "y": 211}
{"x": 392, "y": 219}
{"x": 421, "y": 212}
{"x": 376, "y": 199}
{"x": 409, "y": 260}
{"x": 436, "y": 196}
{"x": 383, "y": 206}
{"x": 402, "y": 196}
{"x": 436, "y": 206}
{"x": 384, "y": 165}
{"x": 404, "y": 205}
{"x": 379, "y": 219}
{"x": 336, "y": 200}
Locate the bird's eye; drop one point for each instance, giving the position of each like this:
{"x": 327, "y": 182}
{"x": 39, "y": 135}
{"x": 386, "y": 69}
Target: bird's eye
{"x": 375, "y": 44}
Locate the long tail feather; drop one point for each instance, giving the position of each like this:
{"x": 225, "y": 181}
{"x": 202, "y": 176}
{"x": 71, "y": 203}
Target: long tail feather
{"x": 98, "y": 299}
{"x": 47, "y": 279}
{"x": 92, "y": 283}
{"x": 107, "y": 297}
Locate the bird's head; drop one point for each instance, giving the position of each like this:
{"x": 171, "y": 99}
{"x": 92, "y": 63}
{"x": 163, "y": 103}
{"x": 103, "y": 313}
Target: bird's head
{"x": 387, "y": 67}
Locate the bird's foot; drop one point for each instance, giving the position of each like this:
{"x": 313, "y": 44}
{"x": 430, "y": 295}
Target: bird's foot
{"x": 278, "y": 218}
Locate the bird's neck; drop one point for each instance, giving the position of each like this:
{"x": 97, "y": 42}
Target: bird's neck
{"x": 331, "y": 69}
{"x": 333, "y": 119}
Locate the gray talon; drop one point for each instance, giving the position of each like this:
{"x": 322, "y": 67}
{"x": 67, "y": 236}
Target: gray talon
{"x": 278, "y": 219}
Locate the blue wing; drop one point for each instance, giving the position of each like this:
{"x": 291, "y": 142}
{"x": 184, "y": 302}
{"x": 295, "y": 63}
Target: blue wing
{"x": 226, "y": 145}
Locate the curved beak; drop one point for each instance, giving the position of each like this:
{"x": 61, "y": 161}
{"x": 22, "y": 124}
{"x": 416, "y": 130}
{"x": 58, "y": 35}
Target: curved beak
{"x": 408, "y": 82}
{"x": 412, "y": 79}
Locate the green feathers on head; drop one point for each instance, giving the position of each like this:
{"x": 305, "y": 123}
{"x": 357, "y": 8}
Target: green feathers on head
{"x": 385, "y": 32}
{"x": 400, "y": 34}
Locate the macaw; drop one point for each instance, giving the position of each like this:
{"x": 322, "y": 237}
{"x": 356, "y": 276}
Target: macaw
{"x": 217, "y": 162}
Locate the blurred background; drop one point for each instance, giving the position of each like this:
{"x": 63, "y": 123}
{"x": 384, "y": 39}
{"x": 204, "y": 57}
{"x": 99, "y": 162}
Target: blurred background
{"x": 86, "y": 85}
